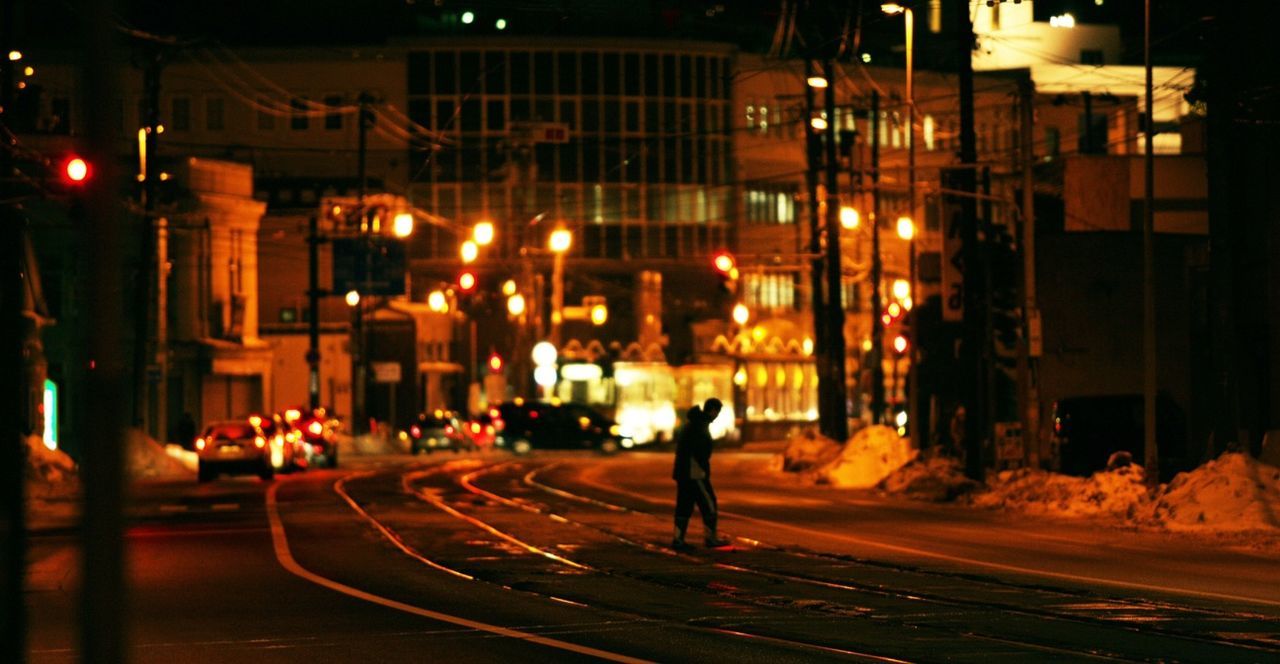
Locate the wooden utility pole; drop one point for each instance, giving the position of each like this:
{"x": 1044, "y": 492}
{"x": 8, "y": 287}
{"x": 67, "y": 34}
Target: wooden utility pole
{"x": 313, "y": 307}
{"x": 1028, "y": 395}
{"x": 818, "y": 302}
{"x": 835, "y": 374}
{"x": 1151, "y": 458}
{"x": 877, "y": 269}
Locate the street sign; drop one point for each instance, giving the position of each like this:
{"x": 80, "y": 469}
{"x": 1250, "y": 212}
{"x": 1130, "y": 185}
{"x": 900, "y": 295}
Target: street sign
{"x": 539, "y": 132}
{"x": 386, "y": 372}
{"x": 386, "y": 263}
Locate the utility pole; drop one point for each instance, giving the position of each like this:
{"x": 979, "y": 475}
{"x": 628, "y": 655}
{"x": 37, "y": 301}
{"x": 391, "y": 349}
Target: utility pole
{"x": 152, "y": 243}
{"x": 1151, "y": 458}
{"x": 877, "y": 269}
{"x": 818, "y": 303}
{"x": 360, "y": 342}
{"x": 975, "y": 429}
{"x": 1028, "y": 397}
{"x": 835, "y": 377}
{"x": 313, "y": 307}
{"x": 104, "y": 597}
{"x": 13, "y": 463}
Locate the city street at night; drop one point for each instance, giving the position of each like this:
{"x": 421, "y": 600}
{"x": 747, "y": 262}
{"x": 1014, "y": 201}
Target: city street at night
{"x": 666, "y": 331}
{"x": 564, "y": 556}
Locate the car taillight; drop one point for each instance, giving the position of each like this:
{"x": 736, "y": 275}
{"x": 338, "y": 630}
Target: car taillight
{"x": 260, "y": 441}
{"x": 415, "y": 431}
{"x": 493, "y": 412}
{"x": 475, "y": 427}
{"x": 448, "y": 429}
{"x": 315, "y": 428}
{"x": 489, "y": 429}
{"x": 200, "y": 443}
{"x": 499, "y": 425}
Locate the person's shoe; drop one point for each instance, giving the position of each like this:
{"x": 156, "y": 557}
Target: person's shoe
{"x": 681, "y": 546}
{"x": 714, "y": 541}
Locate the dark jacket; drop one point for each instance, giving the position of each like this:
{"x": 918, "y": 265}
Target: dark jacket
{"x": 693, "y": 444}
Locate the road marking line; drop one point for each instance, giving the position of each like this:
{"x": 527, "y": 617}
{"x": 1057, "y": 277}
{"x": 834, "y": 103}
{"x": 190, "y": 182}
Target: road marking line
{"x": 1078, "y": 578}
{"x": 281, "y": 545}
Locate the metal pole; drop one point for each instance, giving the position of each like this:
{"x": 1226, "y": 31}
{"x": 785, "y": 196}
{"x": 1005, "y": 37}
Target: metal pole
{"x": 557, "y": 296}
{"x": 359, "y": 373}
{"x": 817, "y": 301}
{"x": 836, "y": 387}
{"x": 913, "y": 332}
{"x": 313, "y": 307}
{"x": 877, "y": 302}
{"x": 1151, "y": 458}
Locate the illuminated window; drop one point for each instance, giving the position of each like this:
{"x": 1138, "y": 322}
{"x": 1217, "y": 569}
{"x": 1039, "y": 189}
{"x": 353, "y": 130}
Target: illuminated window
{"x": 769, "y": 291}
{"x": 770, "y": 203}
{"x": 928, "y": 132}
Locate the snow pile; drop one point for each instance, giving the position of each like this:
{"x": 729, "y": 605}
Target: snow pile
{"x": 189, "y": 459}
{"x": 1234, "y": 492}
{"x": 806, "y": 449}
{"x": 53, "y": 486}
{"x": 1119, "y": 492}
{"x": 869, "y": 457}
{"x": 46, "y": 466}
{"x": 147, "y": 459}
{"x": 937, "y": 479}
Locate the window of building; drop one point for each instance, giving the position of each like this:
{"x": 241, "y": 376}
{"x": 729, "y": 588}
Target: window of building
{"x": 299, "y": 120}
{"x": 333, "y": 119}
{"x": 770, "y": 204}
{"x": 181, "y": 119}
{"x": 1052, "y": 140}
{"x": 927, "y": 127}
{"x": 769, "y": 291}
{"x": 215, "y": 114}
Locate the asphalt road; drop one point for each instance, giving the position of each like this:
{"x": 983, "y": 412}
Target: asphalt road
{"x": 562, "y": 557}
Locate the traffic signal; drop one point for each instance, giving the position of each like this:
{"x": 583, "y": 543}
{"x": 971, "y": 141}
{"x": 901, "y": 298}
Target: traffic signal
{"x": 467, "y": 281}
{"x": 75, "y": 170}
{"x": 726, "y": 268}
{"x": 495, "y": 363}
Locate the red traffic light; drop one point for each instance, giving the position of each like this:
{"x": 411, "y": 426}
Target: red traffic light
{"x": 723, "y": 262}
{"x": 75, "y": 170}
{"x": 495, "y": 363}
{"x": 467, "y": 282}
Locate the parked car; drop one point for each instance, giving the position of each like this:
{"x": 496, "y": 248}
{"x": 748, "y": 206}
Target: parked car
{"x": 530, "y": 425}
{"x": 233, "y": 447}
{"x": 1087, "y": 430}
{"x": 436, "y": 430}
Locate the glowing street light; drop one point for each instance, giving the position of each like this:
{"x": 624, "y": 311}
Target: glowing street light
{"x": 849, "y": 218}
{"x": 818, "y": 122}
{"x": 468, "y": 18}
{"x": 900, "y": 344}
{"x": 906, "y": 228}
{"x": 509, "y": 287}
{"x": 15, "y": 56}
{"x": 560, "y": 241}
{"x": 483, "y": 233}
{"x": 469, "y": 251}
{"x": 741, "y": 314}
{"x": 818, "y": 82}
{"x": 599, "y": 315}
{"x": 515, "y": 304}
{"x": 544, "y": 354}
{"x": 353, "y": 298}
{"x": 436, "y": 302}
{"x": 402, "y": 225}
{"x": 901, "y": 289}
{"x": 892, "y": 8}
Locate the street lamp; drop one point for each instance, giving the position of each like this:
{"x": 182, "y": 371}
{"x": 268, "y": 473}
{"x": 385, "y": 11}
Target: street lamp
{"x": 483, "y": 233}
{"x": 353, "y": 298}
{"x": 469, "y": 251}
{"x": 741, "y": 314}
{"x": 849, "y": 218}
{"x": 515, "y": 305}
{"x": 436, "y": 302}
{"x": 402, "y": 225}
{"x": 559, "y": 242}
{"x": 906, "y": 228}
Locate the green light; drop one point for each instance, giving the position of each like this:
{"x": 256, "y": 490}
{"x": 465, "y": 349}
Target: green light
{"x": 501, "y": 24}
{"x": 467, "y": 18}
{"x": 50, "y": 403}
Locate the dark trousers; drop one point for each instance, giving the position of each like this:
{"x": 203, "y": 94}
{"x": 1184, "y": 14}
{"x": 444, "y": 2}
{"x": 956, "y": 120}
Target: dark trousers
{"x": 695, "y": 492}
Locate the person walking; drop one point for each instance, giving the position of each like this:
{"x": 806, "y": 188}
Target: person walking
{"x": 692, "y": 473}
